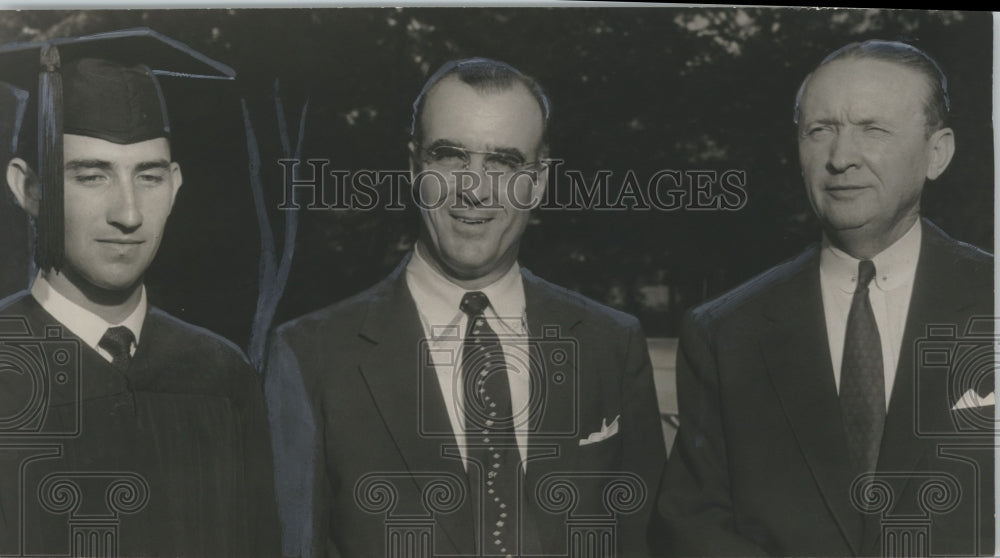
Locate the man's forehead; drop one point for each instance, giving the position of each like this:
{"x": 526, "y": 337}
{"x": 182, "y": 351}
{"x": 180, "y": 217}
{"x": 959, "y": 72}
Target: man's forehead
{"x": 864, "y": 84}
{"x": 88, "y": 147}
{"x": 463, "y": 113}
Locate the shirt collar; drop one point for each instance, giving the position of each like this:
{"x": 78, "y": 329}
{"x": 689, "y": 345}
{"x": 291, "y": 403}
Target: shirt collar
{"x": 894, "y": 267}
{"x": 83, "y": 323}
{"x": 443, "y": 297}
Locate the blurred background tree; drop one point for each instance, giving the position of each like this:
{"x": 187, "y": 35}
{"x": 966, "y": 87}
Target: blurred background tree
{"x": 632, "y": 89}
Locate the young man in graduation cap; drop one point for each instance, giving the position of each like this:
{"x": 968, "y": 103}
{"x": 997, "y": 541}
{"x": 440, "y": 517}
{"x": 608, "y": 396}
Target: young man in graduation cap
{"x": 151, "y": 425}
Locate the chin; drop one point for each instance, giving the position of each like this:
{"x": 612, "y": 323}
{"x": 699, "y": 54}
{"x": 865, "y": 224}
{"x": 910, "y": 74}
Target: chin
{"x": 844, "y": 219}
{"x": 468, "y": 271}
{"x": 467, "y": 260}
{"x": 115, "y": 284}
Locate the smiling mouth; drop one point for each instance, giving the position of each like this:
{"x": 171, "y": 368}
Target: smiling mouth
{"x": 472, "y": 220}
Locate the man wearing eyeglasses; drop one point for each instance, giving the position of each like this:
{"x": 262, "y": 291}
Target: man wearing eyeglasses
{"x": 464, "y": 406}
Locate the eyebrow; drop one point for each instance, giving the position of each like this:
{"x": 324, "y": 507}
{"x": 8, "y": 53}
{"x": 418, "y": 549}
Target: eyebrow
{"x": 100, "y": 164}
{"x": 824, "y": 121}
{"x": 862, "y": 122}
{"x": 869, "y": 121}
{"x": 499, "y": 150}
{"x": 510, "y": 151}
{"x": 443, "y": 142}
{"x": 157, "y": 164}
{"x": 78, "y": 164}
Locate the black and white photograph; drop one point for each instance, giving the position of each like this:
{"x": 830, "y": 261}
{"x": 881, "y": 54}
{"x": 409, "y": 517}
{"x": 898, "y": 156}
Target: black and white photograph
{"x": 552, "y": 279}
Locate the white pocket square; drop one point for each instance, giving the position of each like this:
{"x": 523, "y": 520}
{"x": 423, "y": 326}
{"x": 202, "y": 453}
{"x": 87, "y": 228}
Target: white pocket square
{"x": 606, "y": 431}
{"x": 972, "y": 400}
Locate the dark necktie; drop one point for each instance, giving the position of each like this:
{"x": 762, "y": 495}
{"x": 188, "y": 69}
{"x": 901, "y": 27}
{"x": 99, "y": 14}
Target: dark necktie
{"x": 862, "y": 382}
{"x": 489, "y": 429}
{"x": 118, "y": 342}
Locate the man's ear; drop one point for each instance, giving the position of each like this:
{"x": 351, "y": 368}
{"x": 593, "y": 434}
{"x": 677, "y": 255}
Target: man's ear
{"x": 541, "y": 185}
{"x": 23, "y": 183}
{"x": 414, "y": 164}
{"x": 941, "y": 148}
{"x": 176, "y": 179}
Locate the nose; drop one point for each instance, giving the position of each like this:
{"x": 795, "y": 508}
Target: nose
{"x": 123, "y": 207}
{"x": 844, "y": 152}
{"x": 479, "y": 184}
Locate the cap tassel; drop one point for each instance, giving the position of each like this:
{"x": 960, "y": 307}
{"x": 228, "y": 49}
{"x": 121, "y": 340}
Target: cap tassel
{"x": 49, "y": 250}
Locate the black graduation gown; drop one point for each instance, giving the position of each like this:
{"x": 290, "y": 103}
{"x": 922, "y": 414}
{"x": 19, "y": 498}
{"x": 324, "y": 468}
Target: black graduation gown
{"x": 170, "y": 458}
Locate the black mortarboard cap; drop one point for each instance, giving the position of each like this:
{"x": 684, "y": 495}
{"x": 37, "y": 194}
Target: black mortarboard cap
{"x": 103, "y": 86}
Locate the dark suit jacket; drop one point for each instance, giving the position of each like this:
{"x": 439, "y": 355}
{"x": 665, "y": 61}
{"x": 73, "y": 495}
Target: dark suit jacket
{"x": 760, "y": 463}
{"x": 170, "y": 458}
{"x": 364, "y": 450}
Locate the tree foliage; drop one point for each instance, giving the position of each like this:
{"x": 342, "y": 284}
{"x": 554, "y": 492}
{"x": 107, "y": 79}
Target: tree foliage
{"x": 633, "y": 89}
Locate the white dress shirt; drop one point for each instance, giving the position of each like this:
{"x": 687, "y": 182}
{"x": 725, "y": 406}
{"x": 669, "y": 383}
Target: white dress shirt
{"x": 83, "y": 323}
{"x": 889, "y": 293}
{"x": 444, "y": 323}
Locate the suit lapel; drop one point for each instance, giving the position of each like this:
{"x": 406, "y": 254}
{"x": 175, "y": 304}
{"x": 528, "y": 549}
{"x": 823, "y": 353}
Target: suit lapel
{"x": 409, "y": 398}
{"x": 797, "y": 353}
{"x": 555, "y": 405}
{"x": 935, "y": 300}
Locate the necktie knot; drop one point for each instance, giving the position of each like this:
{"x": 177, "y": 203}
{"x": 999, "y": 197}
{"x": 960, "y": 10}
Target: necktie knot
{"x": 117, "y": 341}
{"x": 866, "y": 272}
{"x": 474, "y": 303}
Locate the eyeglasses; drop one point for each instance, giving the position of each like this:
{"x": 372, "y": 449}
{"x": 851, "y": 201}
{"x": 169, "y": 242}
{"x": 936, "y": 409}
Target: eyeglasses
{"x": 453, "y": 158}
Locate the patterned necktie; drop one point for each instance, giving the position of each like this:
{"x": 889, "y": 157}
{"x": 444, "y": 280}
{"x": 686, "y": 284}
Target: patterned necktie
{"x": 862, "y": 381}
{"x": 118, "y": 341}
{"x": 489, "y": 429}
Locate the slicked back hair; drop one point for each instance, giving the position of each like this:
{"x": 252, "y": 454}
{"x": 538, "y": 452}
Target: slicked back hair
{"x": 937, "y": 104}
{"x": 485, "y": 76}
